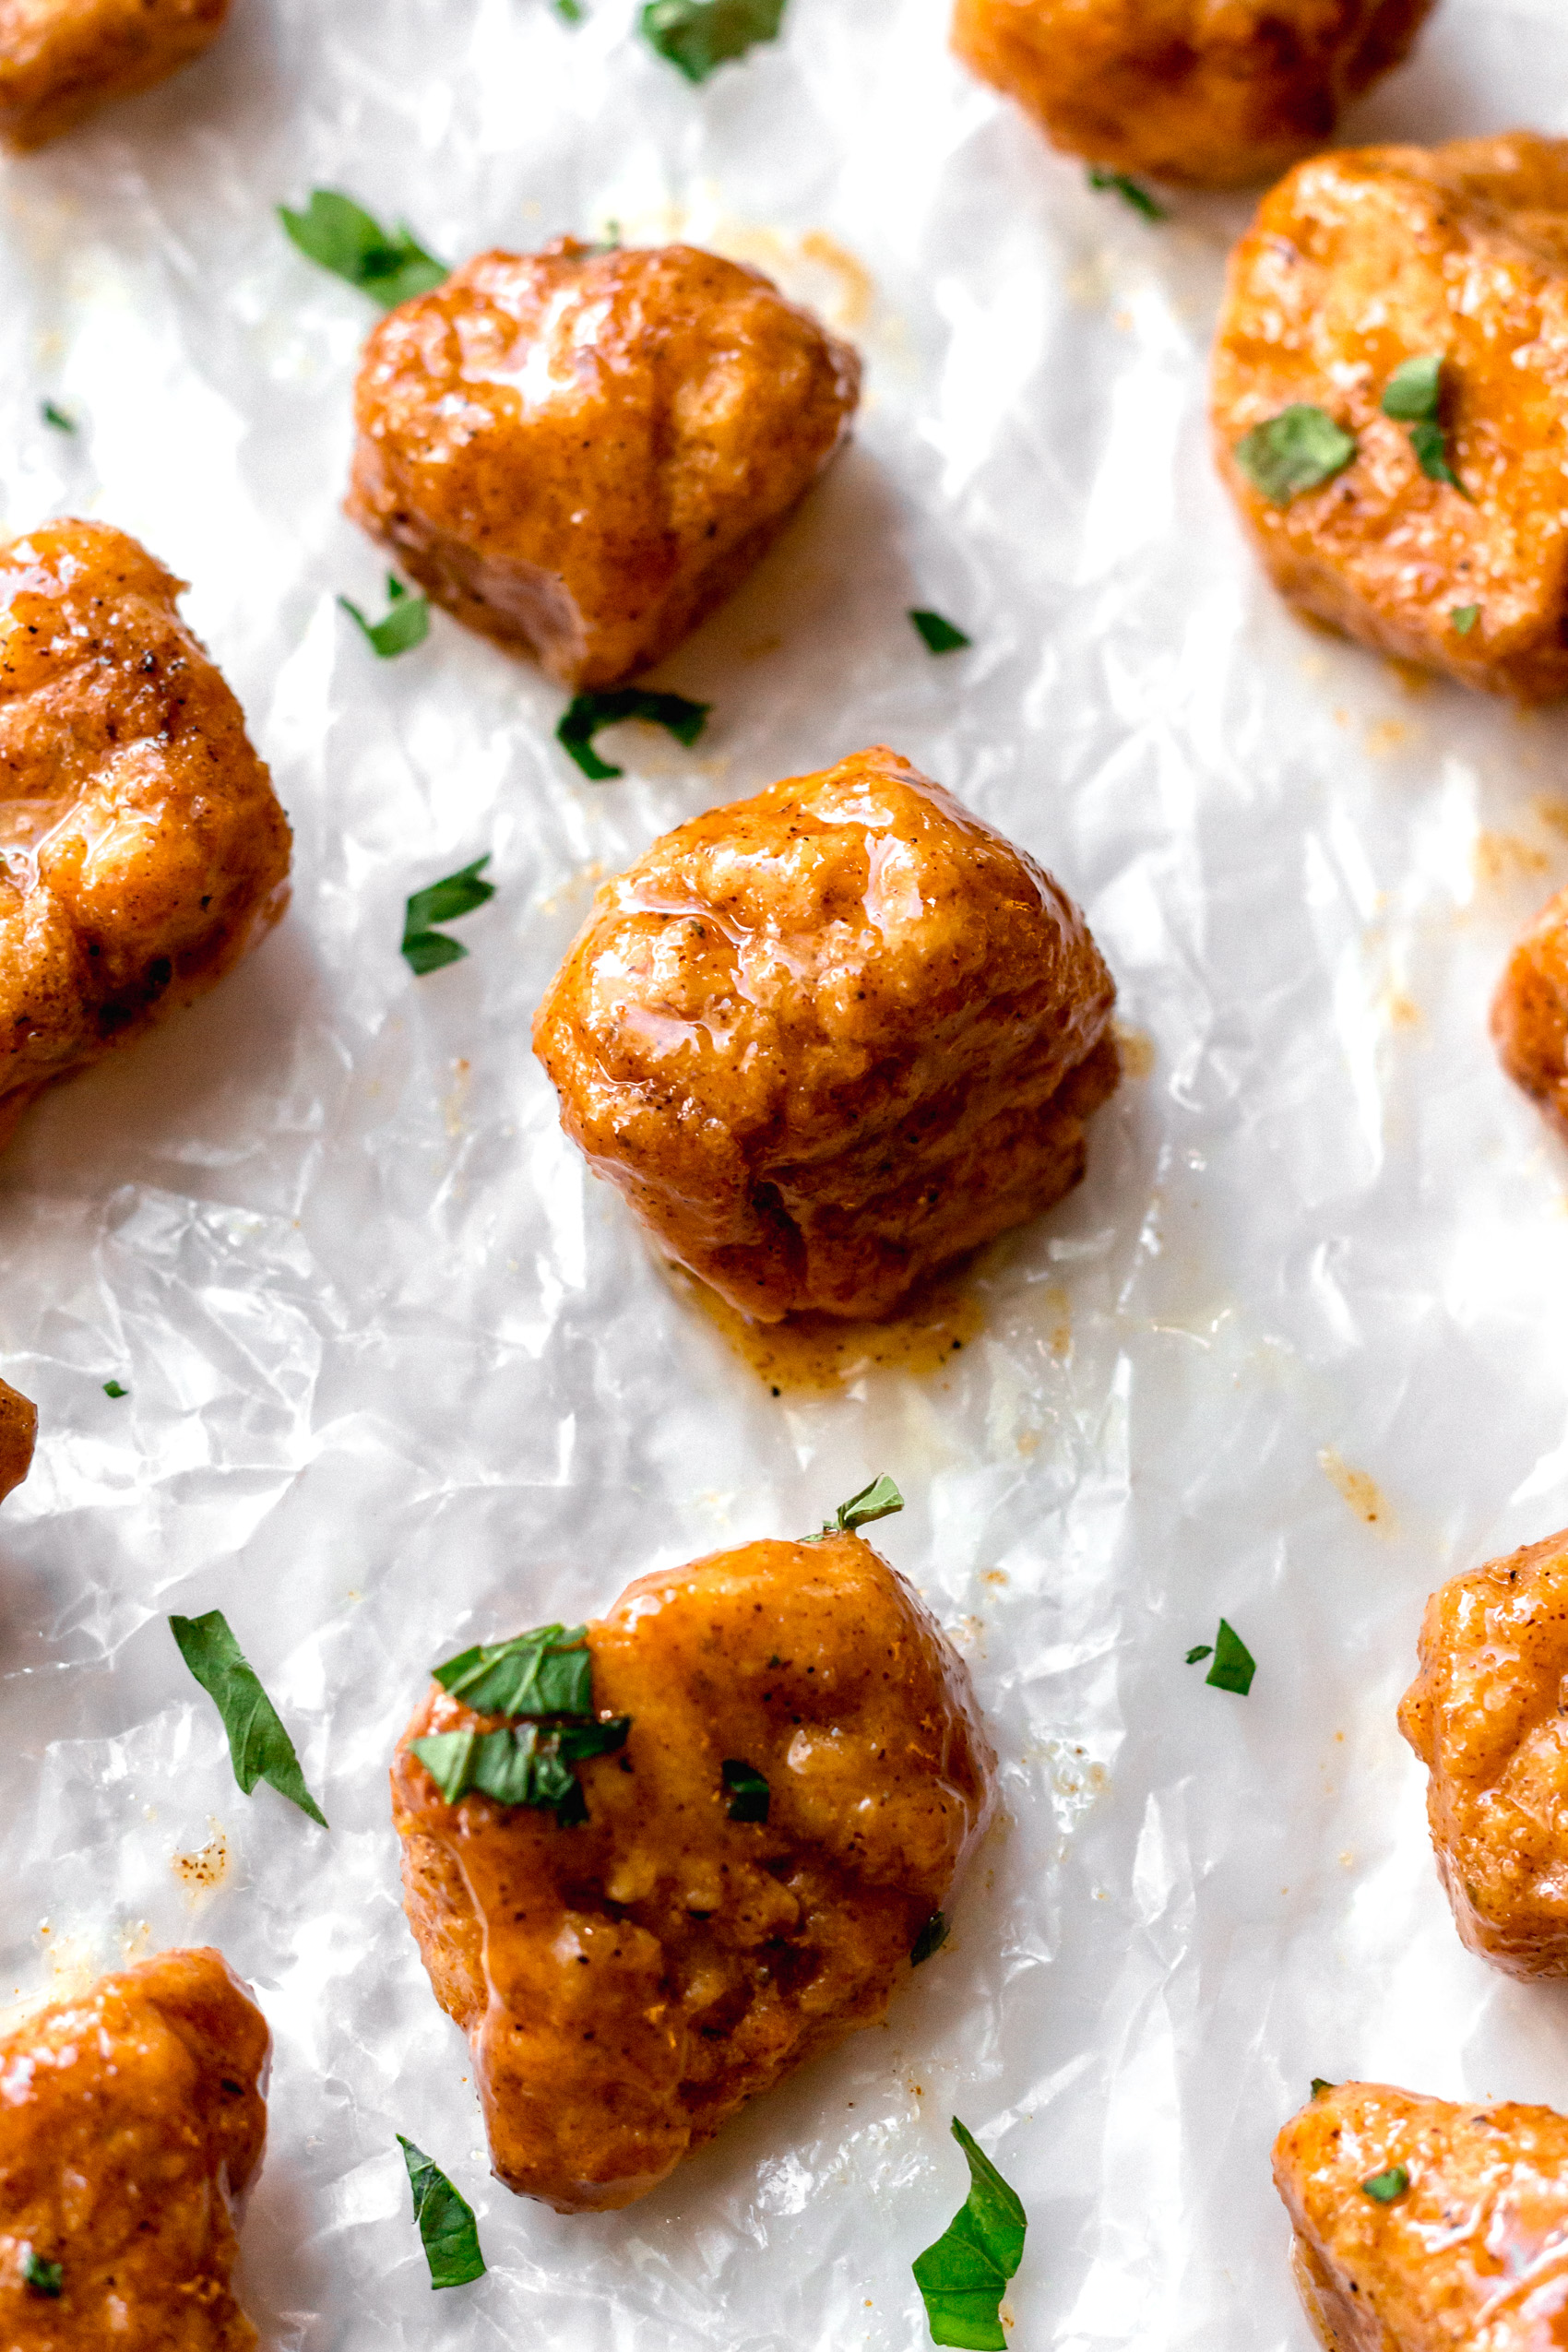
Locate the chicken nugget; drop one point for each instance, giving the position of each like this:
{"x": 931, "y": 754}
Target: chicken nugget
{"x": 61, "y": 59}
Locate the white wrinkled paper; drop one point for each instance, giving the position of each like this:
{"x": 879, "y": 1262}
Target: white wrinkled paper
{"x": 401, "y": 1376}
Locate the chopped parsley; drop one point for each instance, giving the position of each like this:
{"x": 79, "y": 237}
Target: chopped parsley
{"x": 546, "y": 1676}
{"x": 964, "y": 2276}
{"x": 405, "y": 625}
{"x": 43, "y": 2278}
{"x": 426, "y": 950}
{"x": 931, "y": 1938}
{"x": 1384, "y": 2187}
{"x": 568, "y": 11}
{"x": 446, "y": 2225}
{"x": 549, "y": 1672}
{"x": 57, "y": 417}
{"x": 1120, "y": 184}
{"x": 1298, "y": 450}
{"x": 1413, "y": 396}
{"x": 390, "y": 265}
{"x": 877, "y": 1501}
{"x": 1464, "y": 618}
{"x": 585, "y": 714}
{"x": 1234, "y": 1665}
{"x": 940, "y": 636}
{"x": 259, "y": 1748}
{"x": 112, "y": 1388}
{"x": 1199, "y": 1650}
{"x": 749, "y": 1792}
{"x": 699, "y": 36}
{"x": 1319, "y": 2084}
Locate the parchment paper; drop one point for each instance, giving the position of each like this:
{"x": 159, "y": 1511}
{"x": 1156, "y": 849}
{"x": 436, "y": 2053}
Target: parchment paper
{"x": 402, "y": 1376}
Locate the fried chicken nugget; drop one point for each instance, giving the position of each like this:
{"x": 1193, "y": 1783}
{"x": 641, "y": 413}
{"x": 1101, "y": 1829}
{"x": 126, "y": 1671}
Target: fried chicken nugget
{"x": 828, "y": 1039}
{"x": 1425, "y": 2227}
{"x": 1486, "y": 1716}
{"x": 143, "y": 850}
{"x": 629, "y": 1982}
{"x": 1529, "y": 1013}
{"x": 61, "y": 59}
{"x": 1360, "y": 265}
{"x": 1214, "y": 93}
{"x": 19, "y": 1434}
{"x": 582, "y": 452}
{"x": 131, "y": 2121}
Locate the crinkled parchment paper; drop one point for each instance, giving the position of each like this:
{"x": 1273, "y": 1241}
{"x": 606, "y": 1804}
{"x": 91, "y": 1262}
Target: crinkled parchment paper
{"x": 401, "y": 1376}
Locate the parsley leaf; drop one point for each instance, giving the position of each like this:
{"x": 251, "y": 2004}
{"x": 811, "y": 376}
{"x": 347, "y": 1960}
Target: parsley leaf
{"x": 1464, "y": 617}
{"x": 1298, "y": 450}
{"x": 1384, "y": 2187}
{"x": 259, "y": 1748}
{"x": 426, "y": 950}
{"x": 57, "y": 417}
{"x": 447, "y": 2223}
{"x": 962, "y": 2276}
{"x": 701, "y": 35}
{"x": 1199, "y": 1650}
{"x": 585, "y": 714}
{"x": 549, "y": 1672}
{"x": 43, "y": 2278}
{"x": 1431, "y": 446}
{"x": 931, "y": 1938}
{"x": 112, "y": 1388}
{"x": 1319, "y": 2084}
{"x": 390, "y": 265}
{"x": 877, "y": 1501}
{"x": 1234, "y": 1665}
{"x": 940, "y": 636}
{"x": 1121, "y": 184}
{"x": 749, "y": 1792}
{"x": 1414, "y": 392}
{"x": 405, "y": 625}
{"x": 568, "y": 11}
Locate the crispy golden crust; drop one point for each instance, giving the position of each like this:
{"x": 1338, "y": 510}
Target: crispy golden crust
{"x": 829, "y": 1038}
{"x": 60, "y": 59}
{"x": 582, "y": 452}
{"x": 142, "y": 851}
{"x": 1357, "y": 263}
{"x": 1486, "y": 1716}
{"x": 1212, "y": 92}
{"x": 628, "y": 1984}
{"x": 130, "y": 2122}
{"x": 1472, "y": 2257}
{"x": 1529, "y": 1013}
{"x": 19, "y": 1433}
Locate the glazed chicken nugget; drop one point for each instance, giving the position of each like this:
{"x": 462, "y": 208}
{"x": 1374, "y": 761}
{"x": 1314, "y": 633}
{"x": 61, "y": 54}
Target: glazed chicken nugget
{"x": 1529, "y": 1013}
{"x": 143, "y": 850}
{"x": 19, "y": 1433}
{"x": 581, "y": 451}
{"x": 1214, "y": 93}
{"x": 800, "y": 1772}
{"x": 1485, "y": 1714}
{"x": 830, "y": 1038}
{"x": 131, "y": 2121}
{"x": 60, "y": 59}
{"x": 1433, "y": 280}
{"x": 1425, "y": 2227}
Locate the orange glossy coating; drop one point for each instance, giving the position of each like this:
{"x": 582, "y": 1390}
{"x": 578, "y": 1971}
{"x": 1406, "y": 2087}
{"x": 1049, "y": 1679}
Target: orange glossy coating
{"x": 1216, "y": 93}
{"x": 1488, "y": 1715}
{"x": 60, "y": 59}
{"x": 629, "y": 1983}
{"x": 1529, "y": 1013}
{"x": 1357, "y": 263}
{"x": 829, "y": 1038}
{"x": 131, "y": 2121}
{"x": 583, "y": 451}
{"x": 19, "y": 1433}
{"x": 142, "y": 850}
{"x": 1472, "y": 2256}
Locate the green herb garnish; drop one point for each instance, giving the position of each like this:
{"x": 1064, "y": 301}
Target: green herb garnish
{"x": 112, "y": 1388}
{"x": 585, "y": 714}
{"x": 1120, "y": 184}
{"x": 1234, "y": 1665}
{"x": 549, "y": 1672}
{"x": 405, "y": 625}
{"x": 1431, "y": 446}
{"x": 568, "y": 11}
{"x": 43, "y": 2278}
{"x": 442, "y": 902}
{"x": 931, "y": 1938}
{"x": 390, "y": 265}
{"x": 545, "y": 1673}
{"x": 1413, "y": 396}
{"x": 1298, "y": 450}
{"x": 701, "y": 35}
{"x": 940, "y": 636}
{"x": 259, "y": 1746}
{"x": 57, "y": 417}
{"x": 1319, "y": 2084}
{"x": 877, "y": 1501}
{"x": 1464, "y": 617}
{"x": 1384, "y": 2187}
{"x": 1199, "y": 1650}
{"x": 445, "y": 2220}
{"x": 965, "y": 2275}
{"x": 749, "y": 1791}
